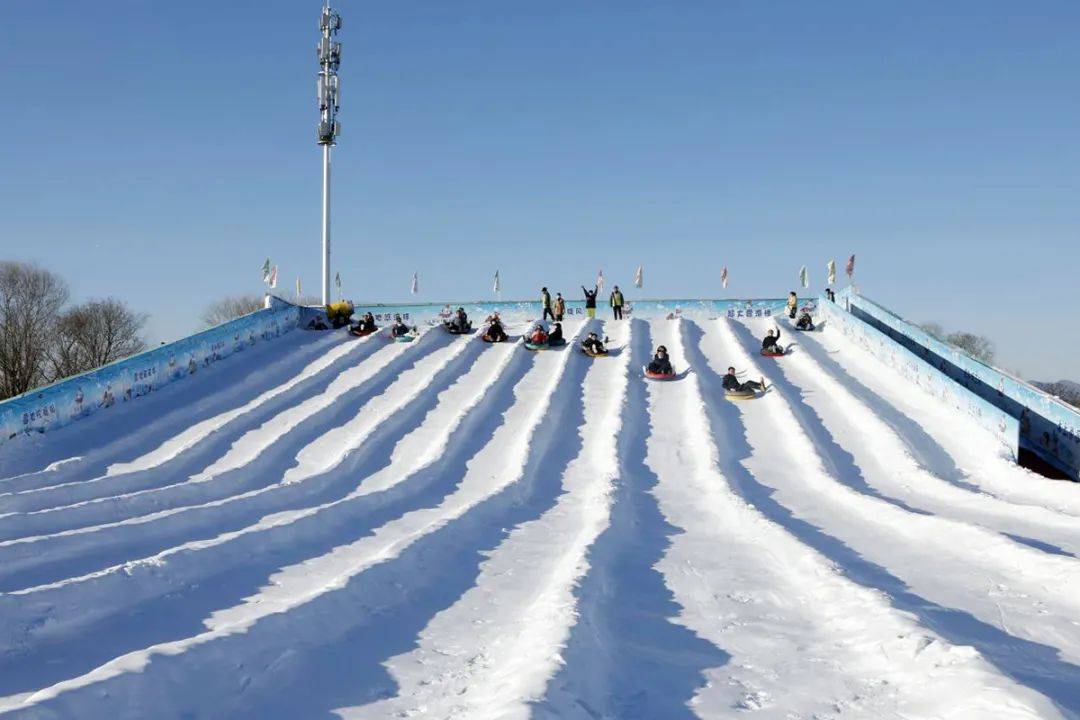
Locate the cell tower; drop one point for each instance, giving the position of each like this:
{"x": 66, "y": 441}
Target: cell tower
{"x": 328, "y": 91}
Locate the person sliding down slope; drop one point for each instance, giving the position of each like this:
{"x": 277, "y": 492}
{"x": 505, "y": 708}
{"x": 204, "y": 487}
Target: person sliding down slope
{"x": 538, "y": 336}
{"x": 732, "y": 384}
{"x": 661, "y": 363}
{"x": 769, "y": 343}
{"x": 495, "y": 331}
{"x": 805, "y": 322}
{"x": 366, "y": 324}
{"x": 460, "y": 321}
{"x": 399, "y": 328}
{"x": 592, "y": 344}
{"x": 555, "y": 337}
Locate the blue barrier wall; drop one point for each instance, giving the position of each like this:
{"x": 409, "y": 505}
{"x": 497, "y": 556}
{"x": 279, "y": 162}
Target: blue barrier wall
{"x": 1000, "y": 423}
{"x": 1049, "y": 428}
{"x": 80, "y": 396}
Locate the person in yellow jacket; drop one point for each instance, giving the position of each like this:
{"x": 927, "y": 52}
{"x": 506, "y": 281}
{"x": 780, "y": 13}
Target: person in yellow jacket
{"x": 617, "y": 302}
{"x": 792, "y": 304}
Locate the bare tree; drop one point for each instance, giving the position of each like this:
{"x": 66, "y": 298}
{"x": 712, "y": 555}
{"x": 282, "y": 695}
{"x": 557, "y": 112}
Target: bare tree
{"x": 93, "y": 334}
{"x": 229, "y": 308}
{"x": 979, "y": 347}
{"x": 30, "y": 300}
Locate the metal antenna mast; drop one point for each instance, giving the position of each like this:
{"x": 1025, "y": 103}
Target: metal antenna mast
{"x": 328, "y": 91}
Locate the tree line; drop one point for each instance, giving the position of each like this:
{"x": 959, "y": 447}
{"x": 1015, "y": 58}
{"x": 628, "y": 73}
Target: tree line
{"x": 43, "y": 338}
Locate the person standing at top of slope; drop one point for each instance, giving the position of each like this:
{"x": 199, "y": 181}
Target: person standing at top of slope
{"x": 732, "y": 383}
{"x": 590, "y": 300}
{"x": 545, "y": 303}
{"x": 617, "y": 303}
{"x": 661, "y": 363}
{"x": 792, "y": 304}
{"x": 830, "y": 294}
{"x": 560, "y": 307}
{"x": 769, "y": 342}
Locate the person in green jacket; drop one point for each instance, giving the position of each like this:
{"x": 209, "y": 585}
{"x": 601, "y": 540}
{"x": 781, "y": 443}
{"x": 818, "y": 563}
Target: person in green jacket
{"x": 545, "y": 303}
{"x": 617, "y": 302}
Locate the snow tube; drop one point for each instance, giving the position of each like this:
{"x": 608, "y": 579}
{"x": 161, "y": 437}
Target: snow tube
{"x": 455, "y": 331}
{"x": 404, "y": 338}
{"x": 657, "y": 376}
{"x": 767, "y": 353}
{"x": 740, "y": 394}
{"x": 809, "y": 329}
{"x": 362, "y": 333}
{"x": 487, "y": 339}
{"x": 557, "y": 343}
{"x": 594, "y": 355}
{"x": 536, "y": 346}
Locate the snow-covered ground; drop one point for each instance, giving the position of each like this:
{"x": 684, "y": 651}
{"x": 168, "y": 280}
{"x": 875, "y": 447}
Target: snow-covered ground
{"x": 341, "y": 527}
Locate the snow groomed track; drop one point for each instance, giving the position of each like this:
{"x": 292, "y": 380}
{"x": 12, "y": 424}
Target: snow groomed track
{"x": 448, "y": 528}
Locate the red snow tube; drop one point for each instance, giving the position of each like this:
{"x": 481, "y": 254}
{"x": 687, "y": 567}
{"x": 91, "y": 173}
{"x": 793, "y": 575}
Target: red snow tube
{"x": 767, "y": 353}
{"x": 362, "y": 333}
{"x": 658, "y": 376}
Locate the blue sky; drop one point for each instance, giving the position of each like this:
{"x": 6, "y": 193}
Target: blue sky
{"x": 160, "y": 151}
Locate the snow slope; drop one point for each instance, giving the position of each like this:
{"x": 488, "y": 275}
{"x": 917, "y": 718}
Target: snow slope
{"x": 451, "y": 529}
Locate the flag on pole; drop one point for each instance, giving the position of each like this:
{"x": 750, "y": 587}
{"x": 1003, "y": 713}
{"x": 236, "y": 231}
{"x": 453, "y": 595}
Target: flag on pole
{"x": 804, "y": 278}
{"x": 498, "y": 287}
{"x": 415, "y": 283}
{"x": 299, "y": 293}
{"x": 266, "y": 271}
{"x": 273, "y": 277}
{"x": 831, "y": 267}
{"x": 723, "y": 276}
{"x": 639, "y": 277}
{"x": 600, "y": 280}
{"x": 850, "y": 269}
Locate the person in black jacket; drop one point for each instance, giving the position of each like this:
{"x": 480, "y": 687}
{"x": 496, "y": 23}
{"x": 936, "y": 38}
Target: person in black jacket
{"x": 399, "y": 328}
{"x": 590, "y": 300}
{"x": 555, "y": 337}
{"x": 805, "y": 322}
{"x": 593, "y": 345}
{"x": 731, "y": 383}
{"x": 769, "y": 343}
{"x": 495, "y": 331}
{"x": 661, "y": 363}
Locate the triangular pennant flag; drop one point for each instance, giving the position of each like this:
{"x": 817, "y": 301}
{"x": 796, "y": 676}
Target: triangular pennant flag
{"x": 498, "y": 287}
{"x": 723, "y": 276}
{"x": 850, "y": 269}
{"x": 299, "y": 292}
{"x": 804, "y": 278}
{"x": 273, "y": 277}
{"x": 639, "y": 276}
{"x": 831, "y": 268}
{"x": 337, "y": 280}
{"x": 600, "y": 280}
{"x": 266, "y": 271}
{"x": 415, "y": 283}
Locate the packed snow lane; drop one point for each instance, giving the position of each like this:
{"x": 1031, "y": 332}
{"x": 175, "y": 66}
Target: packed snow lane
{"x": 449, "y": 528}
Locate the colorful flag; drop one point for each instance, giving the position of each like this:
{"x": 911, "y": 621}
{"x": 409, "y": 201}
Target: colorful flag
{"x": 831, "y": 267}
{"x": 723, "y": 276}
{"x": 273, "y": 277}
{"x": 804, "y": 278}
{"x": 498, "y": 287}
{"x": 266, "y": 271}
{"x": 850, "y": 269}
{"x": 600, "y": 280}
{"x": 639, "y": 276}
{"x": 415, "y": 283}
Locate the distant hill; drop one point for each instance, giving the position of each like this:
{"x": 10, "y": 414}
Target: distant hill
{"x": 1067, "y": 390}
